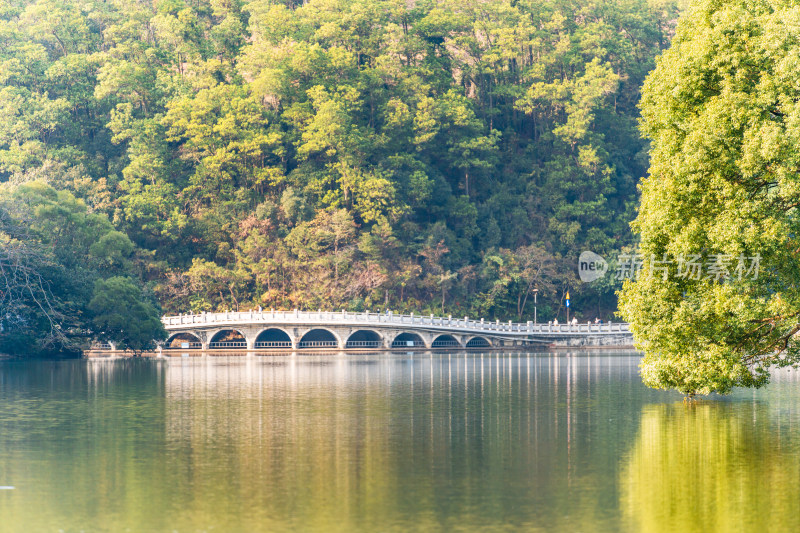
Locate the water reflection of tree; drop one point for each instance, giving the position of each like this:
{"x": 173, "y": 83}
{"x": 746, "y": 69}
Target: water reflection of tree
{"x": 712, "y": 467}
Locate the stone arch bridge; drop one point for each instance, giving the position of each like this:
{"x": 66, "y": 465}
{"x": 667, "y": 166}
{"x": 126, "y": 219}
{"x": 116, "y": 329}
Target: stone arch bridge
{"x": 298, "y": 330}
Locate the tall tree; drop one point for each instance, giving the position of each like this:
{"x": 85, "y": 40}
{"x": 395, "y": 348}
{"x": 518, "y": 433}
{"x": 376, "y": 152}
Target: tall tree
{"x": 720, "y": 206}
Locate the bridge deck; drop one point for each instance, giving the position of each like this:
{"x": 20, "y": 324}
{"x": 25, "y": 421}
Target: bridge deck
{"x": 410, "y": 322}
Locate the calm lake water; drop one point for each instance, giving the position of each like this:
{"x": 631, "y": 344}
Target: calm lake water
{"x": 389, "y": 442}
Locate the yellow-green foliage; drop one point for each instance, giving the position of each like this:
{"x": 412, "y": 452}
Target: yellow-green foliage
{"x": 722, "y": 109}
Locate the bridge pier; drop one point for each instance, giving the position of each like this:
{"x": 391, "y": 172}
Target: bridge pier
{"x": 205, "y": 340}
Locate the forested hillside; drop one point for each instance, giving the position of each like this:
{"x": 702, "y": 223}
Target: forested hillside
{"x": 432, "y": 156}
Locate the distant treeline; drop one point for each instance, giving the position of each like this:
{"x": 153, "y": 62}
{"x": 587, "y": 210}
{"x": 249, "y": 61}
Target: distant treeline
{"x": 446, "y": 156}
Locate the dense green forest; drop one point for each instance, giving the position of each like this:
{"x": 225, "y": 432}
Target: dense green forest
{"x": 441, "y": 156}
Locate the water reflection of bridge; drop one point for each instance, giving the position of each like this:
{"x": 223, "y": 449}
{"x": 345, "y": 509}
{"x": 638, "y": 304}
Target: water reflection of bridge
{"x": 325, "y": 330}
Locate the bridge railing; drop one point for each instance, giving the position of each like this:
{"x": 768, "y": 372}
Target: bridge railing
{"x": 333, "y": 317}
{"x": 185, "y": 345}
{"x": 317, "y": 344}
{"x": 228, "y": 344}
{"x": 363, "y": 344}
{"x": 273, "y": 344}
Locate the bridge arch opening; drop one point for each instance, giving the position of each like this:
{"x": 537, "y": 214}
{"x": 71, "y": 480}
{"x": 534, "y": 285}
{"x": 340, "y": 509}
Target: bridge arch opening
{"x": 478, "y": 342}
{"x": 318, "y": 338}
{"x": 228, "y": 338}
{"x": 273, "y": 338}
{"x": 407, "y": 340}
{"x": 184, "y": 340}
{"x": 445, "y": 341}
{"x": 364, "y": 338}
